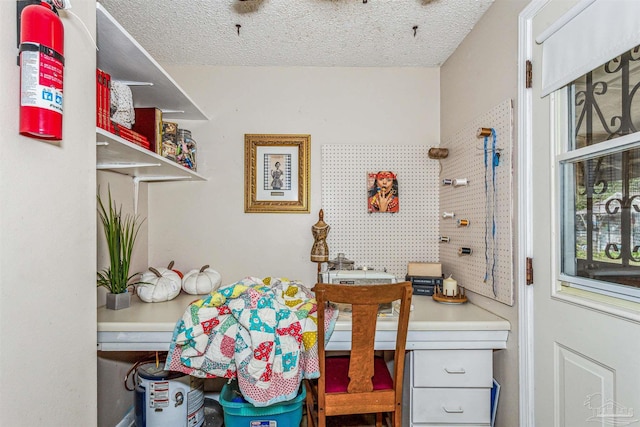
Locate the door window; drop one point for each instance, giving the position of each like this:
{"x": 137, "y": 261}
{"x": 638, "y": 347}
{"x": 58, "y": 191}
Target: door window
{"x": 599, "y": 177}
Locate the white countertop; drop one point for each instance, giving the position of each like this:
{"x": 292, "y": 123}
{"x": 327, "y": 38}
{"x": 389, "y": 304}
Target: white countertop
{"x": 429, "y": 315}
{"x": 432, "y": 325}
{"x": 144, "y": 316}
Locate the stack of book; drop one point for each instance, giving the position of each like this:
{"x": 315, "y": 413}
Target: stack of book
{"x": 103, "y": 100}
{"x": 130, "y": 135}
{"x": 424, "y": 285}
{"x": 424, "y": 277}
{"x": 103, "y": 112}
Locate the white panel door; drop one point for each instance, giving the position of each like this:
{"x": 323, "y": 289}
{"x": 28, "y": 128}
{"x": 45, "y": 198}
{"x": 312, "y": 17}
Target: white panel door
{"x": 586, "y": 360}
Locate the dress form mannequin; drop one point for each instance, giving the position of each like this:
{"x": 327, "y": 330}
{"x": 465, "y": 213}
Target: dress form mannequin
{"x": 320, "y": 250}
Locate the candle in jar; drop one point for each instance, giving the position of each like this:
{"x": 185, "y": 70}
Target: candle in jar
{"x": 450, "y": 287}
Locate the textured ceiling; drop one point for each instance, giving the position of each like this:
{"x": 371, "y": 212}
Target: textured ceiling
{"x": 322, "y": 33}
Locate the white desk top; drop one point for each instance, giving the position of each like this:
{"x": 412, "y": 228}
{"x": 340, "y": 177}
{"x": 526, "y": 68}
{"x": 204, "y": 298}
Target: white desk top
{"x": 432, "y": 325}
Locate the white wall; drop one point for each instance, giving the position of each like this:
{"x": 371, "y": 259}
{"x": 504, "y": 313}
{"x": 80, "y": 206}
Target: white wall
{"x": 122, "y": 194}
{"x": 48, "y": 244}
{"x": 478, "y": 76}
{"x": 204, "y": 223}
{"x": 113, "y": 399}
{"x": 197, "y": 223}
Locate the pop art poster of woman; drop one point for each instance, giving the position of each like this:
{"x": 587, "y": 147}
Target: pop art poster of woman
{"x": 383, "y": 192}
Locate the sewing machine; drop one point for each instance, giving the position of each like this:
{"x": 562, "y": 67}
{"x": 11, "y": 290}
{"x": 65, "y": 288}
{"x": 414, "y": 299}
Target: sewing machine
{"x": 357, "y": 277}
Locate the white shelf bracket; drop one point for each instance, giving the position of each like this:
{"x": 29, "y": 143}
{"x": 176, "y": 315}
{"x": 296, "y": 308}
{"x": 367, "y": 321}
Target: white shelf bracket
{"x": 103, "y": 166}
{"x": 136, "y": 190}
{"x": 134, "y": 83}
{"x": 138, "y": 179}
{"x": 161, "y": 178}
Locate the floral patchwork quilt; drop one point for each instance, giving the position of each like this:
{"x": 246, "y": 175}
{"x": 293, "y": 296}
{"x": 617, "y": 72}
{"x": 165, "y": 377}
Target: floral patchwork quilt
{"x": 261, "y": 331}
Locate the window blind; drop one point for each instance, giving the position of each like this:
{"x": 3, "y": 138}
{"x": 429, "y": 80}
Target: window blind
{"x": 588, "y": 35}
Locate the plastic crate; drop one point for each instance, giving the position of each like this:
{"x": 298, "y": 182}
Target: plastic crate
{"x": 244, "y": 414}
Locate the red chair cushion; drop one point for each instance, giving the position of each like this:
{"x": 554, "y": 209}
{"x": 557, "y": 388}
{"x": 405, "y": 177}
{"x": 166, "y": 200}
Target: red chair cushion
{"x": 337, "y": 374}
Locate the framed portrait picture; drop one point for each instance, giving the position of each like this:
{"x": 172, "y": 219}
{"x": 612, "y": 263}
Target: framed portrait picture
{"x": 382, "y": 192}
{"x": 276, "y": 173}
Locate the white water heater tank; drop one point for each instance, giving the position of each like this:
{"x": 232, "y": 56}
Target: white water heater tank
{"x": 168, "y": 399}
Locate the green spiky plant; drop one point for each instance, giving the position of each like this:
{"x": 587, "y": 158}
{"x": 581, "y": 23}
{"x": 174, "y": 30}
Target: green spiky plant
{"x": 121, "y": 233}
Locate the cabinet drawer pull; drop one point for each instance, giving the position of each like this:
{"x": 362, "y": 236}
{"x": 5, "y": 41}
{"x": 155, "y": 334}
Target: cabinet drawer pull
{"x": 455, "y": 371}
{"x": 453, "y": 411}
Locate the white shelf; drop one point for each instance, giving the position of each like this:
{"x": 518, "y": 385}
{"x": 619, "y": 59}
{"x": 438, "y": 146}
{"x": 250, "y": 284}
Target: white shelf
{"x": 119, "y": 155}
{"x": 122, "y": 57}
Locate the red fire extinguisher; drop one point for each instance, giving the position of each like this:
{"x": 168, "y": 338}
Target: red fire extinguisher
{"x": 41, "y": 70}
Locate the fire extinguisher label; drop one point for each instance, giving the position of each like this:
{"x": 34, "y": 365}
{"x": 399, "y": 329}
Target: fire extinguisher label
{"x": 41, "y": 81}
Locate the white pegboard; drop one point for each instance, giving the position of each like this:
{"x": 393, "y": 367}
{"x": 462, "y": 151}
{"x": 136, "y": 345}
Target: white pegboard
{"x": 489, "y": 268}
{"x": 381, "y": 240}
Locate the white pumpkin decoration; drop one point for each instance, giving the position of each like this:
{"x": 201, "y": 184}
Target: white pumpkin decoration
{"x": 160, "y": 285}
{"x": 200, "y": 282}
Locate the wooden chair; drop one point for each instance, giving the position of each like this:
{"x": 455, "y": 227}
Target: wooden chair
{"x": 361, "y": 383}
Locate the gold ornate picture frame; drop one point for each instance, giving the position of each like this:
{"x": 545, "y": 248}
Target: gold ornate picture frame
{"x": 276, "y": 173}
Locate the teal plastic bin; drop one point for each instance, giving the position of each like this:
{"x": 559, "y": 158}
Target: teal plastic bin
{"x": 244, "y": 414}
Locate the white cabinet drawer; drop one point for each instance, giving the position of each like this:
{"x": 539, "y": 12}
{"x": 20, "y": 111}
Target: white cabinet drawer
{"x": 453, "y": 368}
{"x": 451, "y": 405}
